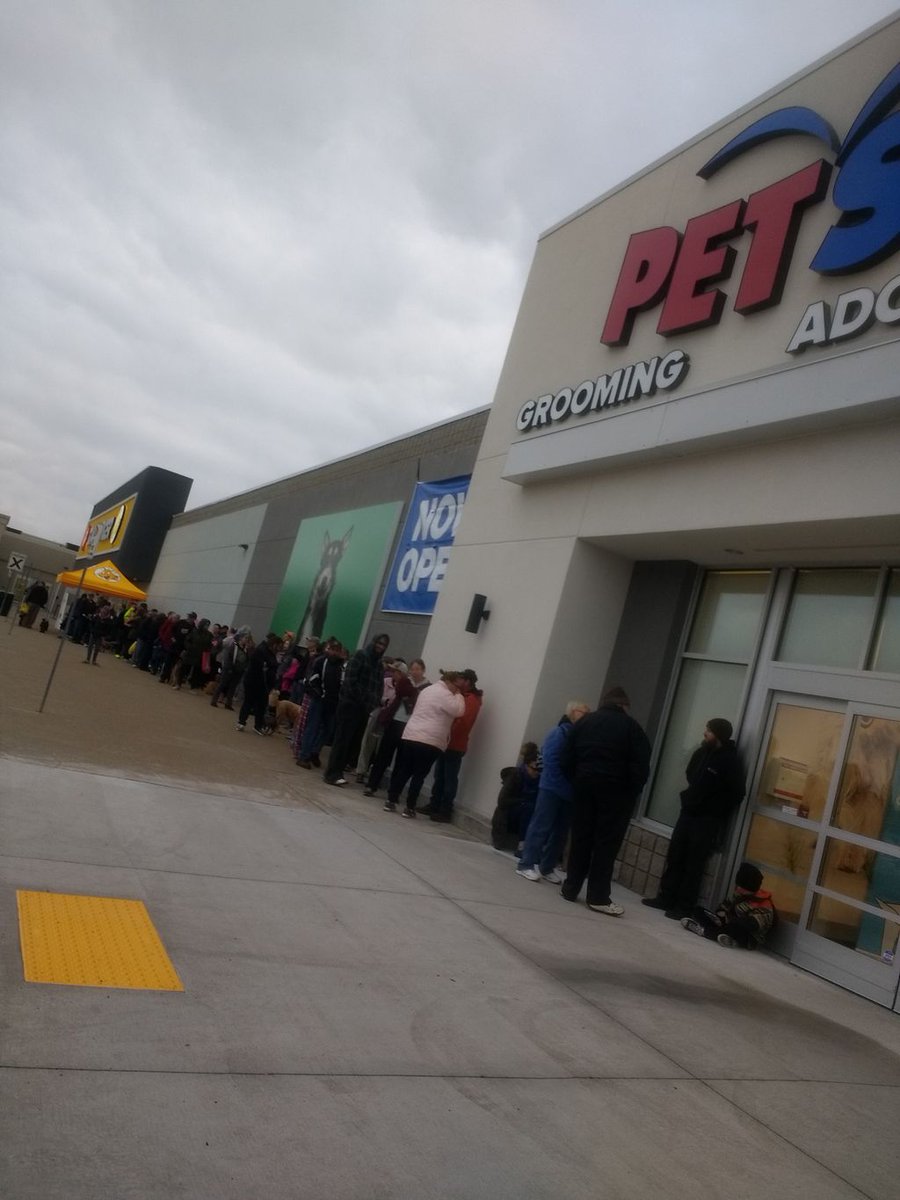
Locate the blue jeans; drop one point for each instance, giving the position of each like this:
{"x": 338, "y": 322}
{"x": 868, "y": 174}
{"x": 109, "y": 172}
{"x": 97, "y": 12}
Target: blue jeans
{"x": 446, "y": 781}
{"x": 547, "y": 829}
{"x": 319, "y": 728}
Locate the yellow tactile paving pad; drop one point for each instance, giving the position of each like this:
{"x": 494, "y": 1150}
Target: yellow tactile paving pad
{"x": 92, "y": 941}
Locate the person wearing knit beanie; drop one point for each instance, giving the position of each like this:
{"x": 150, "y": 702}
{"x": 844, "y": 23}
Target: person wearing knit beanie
{"x": 715, "y": 788}
{"x": 720, "y": 729}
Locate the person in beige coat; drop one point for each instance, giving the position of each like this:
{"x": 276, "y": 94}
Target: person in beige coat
{"x": 426, "y": 735}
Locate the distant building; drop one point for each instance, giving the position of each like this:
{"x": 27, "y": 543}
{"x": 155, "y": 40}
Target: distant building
{"x": 39, "y": 559}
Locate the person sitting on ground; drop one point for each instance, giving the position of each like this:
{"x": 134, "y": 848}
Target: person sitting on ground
{"x": 516, "y": 801}
{"x": 744, "y": 920}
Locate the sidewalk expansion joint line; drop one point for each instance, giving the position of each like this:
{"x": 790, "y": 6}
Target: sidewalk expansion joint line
{"x": 170, "y": 783}
{"x": 226, "y": 1074}
{"x": 302, "y": 883}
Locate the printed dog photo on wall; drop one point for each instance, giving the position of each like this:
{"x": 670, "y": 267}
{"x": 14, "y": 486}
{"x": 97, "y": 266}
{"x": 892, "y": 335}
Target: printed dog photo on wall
{"x": 335, "y": 567}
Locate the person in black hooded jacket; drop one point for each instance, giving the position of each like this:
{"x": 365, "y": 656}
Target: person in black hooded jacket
{"x": 607, "y": 758}
{"x": 715, "y": 787}
{"x": 360, "y": 694}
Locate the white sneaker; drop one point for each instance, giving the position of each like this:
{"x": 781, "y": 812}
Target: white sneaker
{"x": 610, "y": 910}
{"x": 531, "y": 873}
{"x": 553, "y": 876}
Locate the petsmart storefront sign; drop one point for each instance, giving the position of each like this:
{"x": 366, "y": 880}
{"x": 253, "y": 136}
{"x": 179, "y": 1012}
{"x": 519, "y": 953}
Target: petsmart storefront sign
{"x": 675, "y": 270}
{"x": 420, "y": 563}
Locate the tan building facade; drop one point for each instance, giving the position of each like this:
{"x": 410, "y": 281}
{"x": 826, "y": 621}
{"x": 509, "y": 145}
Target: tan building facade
{"x": 689, "y": 485}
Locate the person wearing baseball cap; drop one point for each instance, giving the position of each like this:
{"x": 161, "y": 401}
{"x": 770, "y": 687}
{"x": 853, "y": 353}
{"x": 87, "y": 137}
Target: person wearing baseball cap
{"x": 447, "y": 766}
{"x": 715, "y": 788}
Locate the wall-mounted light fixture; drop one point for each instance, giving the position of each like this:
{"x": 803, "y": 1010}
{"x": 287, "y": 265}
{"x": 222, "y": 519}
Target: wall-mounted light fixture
{"x": 477, "y": 613}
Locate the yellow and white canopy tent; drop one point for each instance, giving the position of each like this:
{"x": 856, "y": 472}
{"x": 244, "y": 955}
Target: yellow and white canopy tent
{"x": 103, "y": 577}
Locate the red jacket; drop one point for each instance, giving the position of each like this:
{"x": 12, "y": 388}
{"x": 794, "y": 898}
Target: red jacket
{"x": 462, "y": 726}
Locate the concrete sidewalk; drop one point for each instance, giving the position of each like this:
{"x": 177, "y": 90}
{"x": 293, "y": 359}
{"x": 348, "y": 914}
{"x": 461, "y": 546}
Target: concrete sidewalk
{"x": 382, "y": 1008}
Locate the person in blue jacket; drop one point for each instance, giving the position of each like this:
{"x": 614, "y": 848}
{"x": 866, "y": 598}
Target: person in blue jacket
{"x": 546, "y": 835}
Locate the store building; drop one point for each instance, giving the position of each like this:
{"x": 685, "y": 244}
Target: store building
{"x": 354, "y": 546}
{"x": 129, "y": 526}
{"x": 28, "y": 559}
{"x": 689, "y": 485}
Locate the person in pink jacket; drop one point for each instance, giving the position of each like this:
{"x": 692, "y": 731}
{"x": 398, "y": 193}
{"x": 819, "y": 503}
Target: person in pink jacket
{"x": 425, "y": 737}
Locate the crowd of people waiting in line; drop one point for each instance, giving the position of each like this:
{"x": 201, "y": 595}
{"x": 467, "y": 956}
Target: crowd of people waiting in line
{"x": 581, "y": 786}
{"x": 382, "y": 718}
{"x": 569, "y": 800}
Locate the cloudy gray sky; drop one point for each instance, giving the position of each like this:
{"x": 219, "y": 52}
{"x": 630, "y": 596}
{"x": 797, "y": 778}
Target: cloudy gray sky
{"x": 242, "y": 238}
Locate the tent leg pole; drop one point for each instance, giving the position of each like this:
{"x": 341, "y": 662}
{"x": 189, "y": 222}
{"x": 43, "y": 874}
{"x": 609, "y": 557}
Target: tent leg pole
{"x": 59, "y": 646}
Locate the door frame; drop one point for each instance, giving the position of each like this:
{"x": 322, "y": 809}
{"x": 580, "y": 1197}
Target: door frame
{"x": 870, "y": 977}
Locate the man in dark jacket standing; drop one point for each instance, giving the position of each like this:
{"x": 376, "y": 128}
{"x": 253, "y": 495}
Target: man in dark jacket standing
{"x": 360, "y": 694}
{"x": 36, "y": 597}
{"x": 715, "y": 788}
{"x": 259, "y": 679}
{"x": 607, "y": 758}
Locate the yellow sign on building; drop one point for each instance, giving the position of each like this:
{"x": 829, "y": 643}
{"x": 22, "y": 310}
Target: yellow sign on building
{"x": 104, "y": 533}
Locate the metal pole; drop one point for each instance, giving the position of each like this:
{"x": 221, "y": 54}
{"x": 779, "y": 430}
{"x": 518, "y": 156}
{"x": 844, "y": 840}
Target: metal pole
{"x": 13, "y": 579}
{"x": 62, "y": 638}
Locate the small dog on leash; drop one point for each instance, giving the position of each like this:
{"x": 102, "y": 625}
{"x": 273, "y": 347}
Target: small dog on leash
{"x": 286, "y": 714}
{"x": 44, "y": 625}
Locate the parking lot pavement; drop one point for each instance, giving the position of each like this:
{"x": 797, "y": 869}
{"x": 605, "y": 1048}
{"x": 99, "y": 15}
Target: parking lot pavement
{"x": 381, "y": 1008}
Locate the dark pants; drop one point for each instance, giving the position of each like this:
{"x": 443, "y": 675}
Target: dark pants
{"x": 227, "y": 686}
{"x": 414, "y": 762}
{"x": 26, "y": 620}
{"x": 387, "y": 748}
{"x": 93, "y": 646}
{"x": 141, "y": 656}
{"x": 600, "y": 815}
{"x": 741, "y": 929}
{"x": 693, "y": 840}
{"x": 446, "y": 781}
{"x": 172, "y": 656}
{"x": 256, "y": 701}
{"x": 349, "y": 725}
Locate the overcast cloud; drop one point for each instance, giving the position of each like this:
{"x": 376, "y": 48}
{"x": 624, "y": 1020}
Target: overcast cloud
{"x": 241, "y": 239}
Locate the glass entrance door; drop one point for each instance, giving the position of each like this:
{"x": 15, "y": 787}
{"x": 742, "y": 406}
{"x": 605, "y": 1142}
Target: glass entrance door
{"x": 825, "y": 831}
{"x": 850, "y": 924}
{"x": 789, "y": 798}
